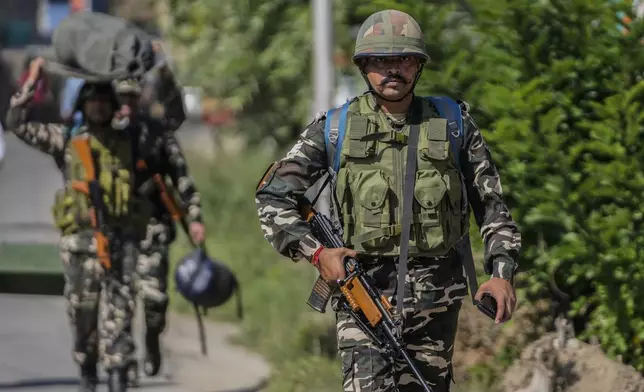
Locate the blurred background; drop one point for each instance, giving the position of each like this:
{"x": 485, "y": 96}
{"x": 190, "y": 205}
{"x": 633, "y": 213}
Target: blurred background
{"x": 556, "y": 86}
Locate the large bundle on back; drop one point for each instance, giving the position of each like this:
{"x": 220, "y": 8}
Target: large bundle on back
{"x": 96, "y": 46}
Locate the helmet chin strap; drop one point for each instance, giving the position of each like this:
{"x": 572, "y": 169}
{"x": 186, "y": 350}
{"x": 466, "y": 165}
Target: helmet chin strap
{"x": 411, "y": 91}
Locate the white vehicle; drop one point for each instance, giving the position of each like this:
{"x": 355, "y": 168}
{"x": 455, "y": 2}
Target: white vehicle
{"x": 192, "y": 104}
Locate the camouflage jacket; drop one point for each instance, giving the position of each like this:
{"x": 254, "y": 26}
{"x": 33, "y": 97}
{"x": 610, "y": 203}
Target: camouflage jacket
{"x": 158, "y": 147}
{"x": 306, "y": 162}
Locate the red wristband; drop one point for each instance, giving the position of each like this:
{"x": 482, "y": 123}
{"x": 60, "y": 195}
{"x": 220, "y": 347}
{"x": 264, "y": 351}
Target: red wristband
{"x": 315, "y": 259}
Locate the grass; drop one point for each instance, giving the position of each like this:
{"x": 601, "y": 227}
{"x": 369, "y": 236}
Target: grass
{"x": 32, "y": 258}
{"x": 30, "y": 269}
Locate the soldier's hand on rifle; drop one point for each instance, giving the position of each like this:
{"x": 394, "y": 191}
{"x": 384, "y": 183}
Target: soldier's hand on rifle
{"x": 197, "y": 233}
{"x": 504, "y": 294}
{"x": 35, "y": 67}
{"x": 331, "y": 263}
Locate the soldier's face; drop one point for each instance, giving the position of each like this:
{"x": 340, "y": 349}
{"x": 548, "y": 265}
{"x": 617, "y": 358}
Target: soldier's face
{"x": 391, "y": 77}
{"x": 98, "y": 109}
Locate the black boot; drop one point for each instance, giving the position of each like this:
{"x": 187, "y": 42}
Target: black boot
{"x": 89, "y": 378}
{"x": 117, "y": 381}
{"x": 152, "y": 363}
{"x": 133, "y": 375}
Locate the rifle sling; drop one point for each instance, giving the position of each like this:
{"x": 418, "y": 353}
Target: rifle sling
{"x": 408, "y": 204}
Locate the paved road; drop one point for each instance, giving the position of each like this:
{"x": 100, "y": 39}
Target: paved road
{"x": 28, "y": 180}
{"x": 36, "y": 347}
{"x": 35, "y": 342}
{"x": 35, "y": 339}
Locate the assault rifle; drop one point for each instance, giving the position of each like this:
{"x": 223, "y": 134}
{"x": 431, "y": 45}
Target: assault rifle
{"x": 97, "y": 208}
{"x": 176, "y": 211}
{"x": 360, "y": 299}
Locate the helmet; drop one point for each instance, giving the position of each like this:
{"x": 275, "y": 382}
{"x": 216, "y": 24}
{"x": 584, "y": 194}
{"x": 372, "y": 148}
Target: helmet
{"x": 390, "y": 33}
{"x": 204, "y": 282}
{"x": 90, "y": 89}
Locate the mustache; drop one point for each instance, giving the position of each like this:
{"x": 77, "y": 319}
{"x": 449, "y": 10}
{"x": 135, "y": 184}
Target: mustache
{"x": 393, "y": 78}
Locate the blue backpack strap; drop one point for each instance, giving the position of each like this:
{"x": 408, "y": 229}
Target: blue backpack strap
{"x": 74, "y": 130}
{"x": 451, "y": 110}
{"x": 70, "y": 132}
{"x": 334, "y": 130}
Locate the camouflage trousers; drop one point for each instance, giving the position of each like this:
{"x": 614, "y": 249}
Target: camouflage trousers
{"x": 100, "y": 304}
{"x": 152, "y": 274}
{"x": 433, "y": 297}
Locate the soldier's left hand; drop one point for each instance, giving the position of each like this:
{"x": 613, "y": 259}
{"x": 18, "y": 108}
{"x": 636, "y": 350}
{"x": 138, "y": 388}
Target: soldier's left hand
{"x": 504, "y": 294}
{"x": 197, "y": 232}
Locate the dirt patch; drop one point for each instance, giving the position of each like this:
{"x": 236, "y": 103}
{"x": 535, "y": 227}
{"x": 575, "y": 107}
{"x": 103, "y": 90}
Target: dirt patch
{"x": 558, "y": 362}
{"x": 479, "y": 341}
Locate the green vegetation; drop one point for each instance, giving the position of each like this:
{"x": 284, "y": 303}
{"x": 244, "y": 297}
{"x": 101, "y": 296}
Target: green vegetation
{"x": 557, "y": 92}
{"x": 30, "y": 258}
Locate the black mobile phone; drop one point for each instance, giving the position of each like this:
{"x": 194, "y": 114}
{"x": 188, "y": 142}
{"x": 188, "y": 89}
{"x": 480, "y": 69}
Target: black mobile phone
{"x": 487, "y": 306}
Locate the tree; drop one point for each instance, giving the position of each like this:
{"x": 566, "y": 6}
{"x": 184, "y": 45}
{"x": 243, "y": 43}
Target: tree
{"x": 255, "y": 55}
{"x": 557, "y": 92}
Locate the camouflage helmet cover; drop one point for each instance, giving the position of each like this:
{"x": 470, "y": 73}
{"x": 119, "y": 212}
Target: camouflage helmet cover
{"x": 128, "y": 86}
{"x": 390, "y": 33}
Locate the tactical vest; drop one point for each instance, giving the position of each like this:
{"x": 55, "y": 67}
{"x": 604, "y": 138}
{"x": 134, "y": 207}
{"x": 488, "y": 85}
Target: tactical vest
{"x": 369, "y": 185}
{"x": 115, "y": 164}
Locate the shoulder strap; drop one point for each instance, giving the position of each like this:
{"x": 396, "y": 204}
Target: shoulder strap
{"x": 334, "y": 129}
{"x": 408, "y": 206}
{"x": 451, "y": 110}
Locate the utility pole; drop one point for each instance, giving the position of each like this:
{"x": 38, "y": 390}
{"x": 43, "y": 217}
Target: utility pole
{"x": 323, "y": 67}
{"x": 324, "y": 80}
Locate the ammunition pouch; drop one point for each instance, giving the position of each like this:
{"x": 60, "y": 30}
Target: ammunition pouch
{"x": 70, "y": 214}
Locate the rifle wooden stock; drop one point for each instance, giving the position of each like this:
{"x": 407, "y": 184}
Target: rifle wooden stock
{"x": 170, "y": 203}
{"x": 85, "y": 154}
{"x": 91, "y": 188}
{"x": 81, "y": 187}
{"x": 103, "y": 249}
{"x": 177, "y": 213}
{"x": 359, "y": 299}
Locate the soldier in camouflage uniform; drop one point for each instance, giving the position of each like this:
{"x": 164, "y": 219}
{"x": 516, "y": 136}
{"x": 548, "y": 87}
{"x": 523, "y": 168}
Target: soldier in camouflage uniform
{"x": 161, "y": 96}
{"x": 390, "y": 53}
{"x": 153, "y": 264}
{"x": 100, "y": 302}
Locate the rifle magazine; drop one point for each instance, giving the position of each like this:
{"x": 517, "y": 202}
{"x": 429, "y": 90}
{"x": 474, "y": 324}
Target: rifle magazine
{"x": 320, "y": 295}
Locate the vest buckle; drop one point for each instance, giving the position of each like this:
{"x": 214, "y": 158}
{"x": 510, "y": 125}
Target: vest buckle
{"x": 399, "y": 137}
